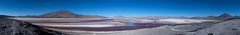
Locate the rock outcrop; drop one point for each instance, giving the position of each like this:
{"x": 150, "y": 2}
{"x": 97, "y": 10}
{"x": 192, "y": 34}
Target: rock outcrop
{"x": 15, "y": 27}
{"x": 231, "y": 27}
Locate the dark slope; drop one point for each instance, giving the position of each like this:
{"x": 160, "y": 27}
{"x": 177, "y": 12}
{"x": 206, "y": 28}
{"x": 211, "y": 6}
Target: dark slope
{"x": 15, "y": 27}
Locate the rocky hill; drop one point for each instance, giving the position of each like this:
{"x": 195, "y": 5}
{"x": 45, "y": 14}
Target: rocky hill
{"x": 61, "y": 14}
{"x": 67, "y": 14}
{"x": 64, "y": 14}
{"x": 15, "y": 27}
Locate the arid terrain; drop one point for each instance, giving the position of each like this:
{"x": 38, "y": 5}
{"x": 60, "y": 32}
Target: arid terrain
{"x": 112, "y": 26}
{"x": 119, "y": 17}
{"x": 67, "y": 23}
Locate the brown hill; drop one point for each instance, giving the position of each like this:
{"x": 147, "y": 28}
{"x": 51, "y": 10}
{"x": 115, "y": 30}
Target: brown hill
{"x": 61, "y": 14}
{"x": 64, "y": 14}
{"x": 67, "y": 14}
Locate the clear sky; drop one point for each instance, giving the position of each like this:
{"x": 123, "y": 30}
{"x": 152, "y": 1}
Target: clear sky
{"x": 122, "y": 7}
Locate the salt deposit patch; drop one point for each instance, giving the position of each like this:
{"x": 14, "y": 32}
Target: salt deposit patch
{"x": 88, "y": 24}
{"x": 185, "y": 20}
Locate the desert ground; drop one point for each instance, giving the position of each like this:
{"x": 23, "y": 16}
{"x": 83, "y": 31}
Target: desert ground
{"x": 113, "y": 26}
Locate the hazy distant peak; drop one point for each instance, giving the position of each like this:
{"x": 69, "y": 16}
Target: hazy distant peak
{"x": 61, "y": 12}
{"x": 225, "y": 15}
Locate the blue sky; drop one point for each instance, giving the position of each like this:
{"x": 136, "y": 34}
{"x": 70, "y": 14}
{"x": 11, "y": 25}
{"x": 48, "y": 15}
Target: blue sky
{"x": 122, "y": 7}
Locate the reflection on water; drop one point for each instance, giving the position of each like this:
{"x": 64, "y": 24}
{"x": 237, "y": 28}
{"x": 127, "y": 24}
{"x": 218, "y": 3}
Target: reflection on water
{"x": 130, "y": 24}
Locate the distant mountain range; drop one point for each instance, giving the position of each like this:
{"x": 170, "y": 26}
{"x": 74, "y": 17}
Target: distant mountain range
{"x": 224, "y": 16}
{"x": 69, "y": 14}
{"x": 5, "y": 16}
{"x": 64, "y": 14}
